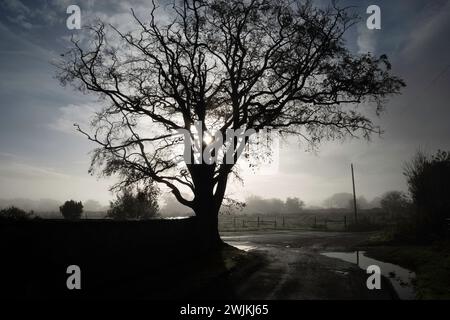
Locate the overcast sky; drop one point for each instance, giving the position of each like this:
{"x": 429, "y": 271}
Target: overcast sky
{"x": 41, "y": 155}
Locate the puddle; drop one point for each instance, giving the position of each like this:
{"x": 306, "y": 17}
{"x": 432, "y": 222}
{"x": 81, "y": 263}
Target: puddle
{"x": 400, "y": 278}
{"x": 177, "y": 218}
{"x": 242, "y": 245}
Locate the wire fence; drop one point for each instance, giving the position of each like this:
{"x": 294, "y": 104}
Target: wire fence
{"x": 281, "y": 222}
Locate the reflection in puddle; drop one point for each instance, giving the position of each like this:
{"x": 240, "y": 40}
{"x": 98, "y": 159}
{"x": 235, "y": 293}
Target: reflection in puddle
{"x": 177, "y": 218}
{"x": 400, "y": 278}
{"x": 241, "y": 245}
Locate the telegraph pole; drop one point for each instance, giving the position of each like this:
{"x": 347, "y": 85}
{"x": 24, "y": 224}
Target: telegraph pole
{"x": 354, "y": 195}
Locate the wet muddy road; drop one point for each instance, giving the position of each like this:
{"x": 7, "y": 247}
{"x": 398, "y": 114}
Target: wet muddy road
{"x": 294, "y": 267}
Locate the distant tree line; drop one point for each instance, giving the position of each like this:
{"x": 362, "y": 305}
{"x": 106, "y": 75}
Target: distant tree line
{"x": 15, "y": 214}
{"x": 130, "y": 204}
{"x": 344, "y": 200}
{"x": 258, "y": 205}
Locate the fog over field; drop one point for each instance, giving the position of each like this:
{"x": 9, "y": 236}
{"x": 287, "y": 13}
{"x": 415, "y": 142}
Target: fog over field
{"x": 170, "y": 207}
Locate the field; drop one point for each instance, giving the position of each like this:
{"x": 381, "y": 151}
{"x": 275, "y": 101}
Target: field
{"x": 318, "y": 219}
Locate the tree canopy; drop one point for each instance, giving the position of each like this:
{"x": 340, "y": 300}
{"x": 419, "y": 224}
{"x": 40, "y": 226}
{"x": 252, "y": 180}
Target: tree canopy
{"x": 226, "y": 64}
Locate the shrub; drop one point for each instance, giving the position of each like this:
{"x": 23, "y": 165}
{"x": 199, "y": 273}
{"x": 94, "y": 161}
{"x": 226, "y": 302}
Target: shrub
{"x": 13, "y": 213}
{"x": 428, "y": 180}
{"x": 71, "y": 210}
{"x": 139, "y": 205}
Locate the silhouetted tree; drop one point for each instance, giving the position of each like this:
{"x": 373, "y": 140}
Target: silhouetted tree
{"x": 428, "y": 180}
{"x": 293, "y": 205}
{"x": 71, "y": 210}
{"x": 140, "y": 205}
{"x": 228, "y": 64}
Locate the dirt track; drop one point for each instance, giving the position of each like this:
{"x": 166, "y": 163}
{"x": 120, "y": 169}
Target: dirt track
{"x": 293, "y": 267}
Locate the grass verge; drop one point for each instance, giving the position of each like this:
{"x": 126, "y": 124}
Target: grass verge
{"x": 430, "y": 263}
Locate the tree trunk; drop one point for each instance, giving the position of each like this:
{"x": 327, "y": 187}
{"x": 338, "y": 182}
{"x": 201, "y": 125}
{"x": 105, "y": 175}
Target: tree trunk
{"x": 207, "y": 211}
{"x": 206, "y": 208}
{"x": 209, "y": 230}
{"x": 208, "y": 224}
